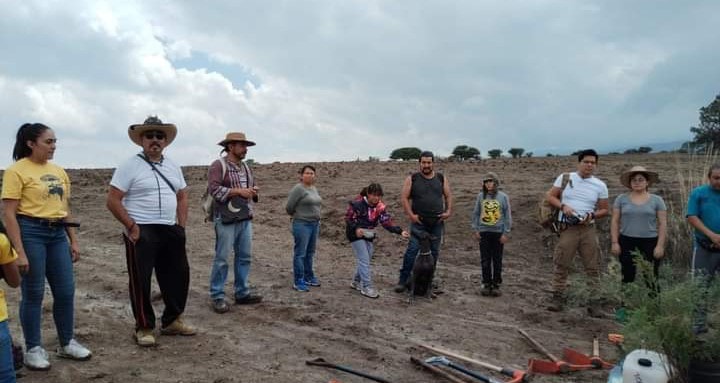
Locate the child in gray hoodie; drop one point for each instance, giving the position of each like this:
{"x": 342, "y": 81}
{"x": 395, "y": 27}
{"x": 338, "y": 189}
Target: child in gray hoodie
{"x": 491, "y": 222}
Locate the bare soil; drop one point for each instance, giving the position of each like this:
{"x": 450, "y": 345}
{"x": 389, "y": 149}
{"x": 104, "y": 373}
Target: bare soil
{"x": 271, "y": 341}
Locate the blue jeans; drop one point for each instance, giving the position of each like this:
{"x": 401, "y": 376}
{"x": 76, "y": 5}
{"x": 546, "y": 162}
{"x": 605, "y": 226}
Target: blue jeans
{"x": 436, "y": 231}
{"x": 48, "y": 253}
{"x": 363, "y": 253}
{"x": 7, "y": 363}
{"x": 305, "y": 234}
{"x": 236, "y": 238}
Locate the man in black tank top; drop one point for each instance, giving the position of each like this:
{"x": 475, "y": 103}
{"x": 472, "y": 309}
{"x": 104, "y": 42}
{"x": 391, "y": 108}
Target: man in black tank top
{"x": 427, "y": 202}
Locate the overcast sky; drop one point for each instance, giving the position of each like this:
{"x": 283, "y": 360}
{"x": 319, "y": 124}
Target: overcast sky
{"x": 330, "y": 80}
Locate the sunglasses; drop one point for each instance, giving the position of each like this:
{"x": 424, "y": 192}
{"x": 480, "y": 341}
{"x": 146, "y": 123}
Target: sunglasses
{"x": 154, "y": 135}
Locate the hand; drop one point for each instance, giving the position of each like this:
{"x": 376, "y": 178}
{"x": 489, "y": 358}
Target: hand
{"x": 74, "y": 252}
{"x": 588, "y": 219}
{"x": 359, "y": 232}
{"x": 658, "y": 252}
{"x": 414, "y": 218}
{"x": 22, "y": 264}
{"x": 405, "y": 234}
{"x": 134, "y": 233}
{"x": 477, "y": 235}
{"x": 715, "y": 238}
{"x": 615, "y": 249}
{"x": 444, "y": 215}
{"x": 504, "y": 238}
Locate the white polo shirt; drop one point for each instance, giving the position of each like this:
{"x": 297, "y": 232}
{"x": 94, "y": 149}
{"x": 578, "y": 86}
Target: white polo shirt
{"x": 148, "y": 198}
{"x": 582, "y": 194}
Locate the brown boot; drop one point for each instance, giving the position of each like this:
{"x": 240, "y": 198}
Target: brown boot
{"x": 557, "y": 302}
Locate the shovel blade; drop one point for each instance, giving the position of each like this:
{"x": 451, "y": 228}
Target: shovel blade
{"x": 573, "y": 357}
{"x": 543, "y": 367}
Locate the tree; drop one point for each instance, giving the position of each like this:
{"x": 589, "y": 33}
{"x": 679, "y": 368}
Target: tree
{"x": 495, "y": 153}
{"x": 516, "y": 152}
{"x": 405, "y": 154}
{"x": 644, "y": 149}
{"x": 529, "y": 154}
{"x": 464, "y": 152}
{"x": 707, "y": 133}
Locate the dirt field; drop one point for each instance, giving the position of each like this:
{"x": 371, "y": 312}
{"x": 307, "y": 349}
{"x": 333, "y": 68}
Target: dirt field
{"x": 270, "y": 342}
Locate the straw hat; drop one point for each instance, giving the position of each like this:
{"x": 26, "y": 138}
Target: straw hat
{"x": 152, "y": 123}
{"x": 235, "y": 137}
{"x": 651, "y": 177}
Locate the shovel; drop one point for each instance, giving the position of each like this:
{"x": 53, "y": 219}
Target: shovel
{"x": 516, "y": 375}
{"x": 575, "y": 357}
{"x": 557, "y": 366}
{"x": 444, "y": 361}
{"x": 323, "y": 363}
{"x": 437, "y": 371}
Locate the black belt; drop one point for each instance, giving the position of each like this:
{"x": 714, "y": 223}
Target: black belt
{"x": 58, "y": 222}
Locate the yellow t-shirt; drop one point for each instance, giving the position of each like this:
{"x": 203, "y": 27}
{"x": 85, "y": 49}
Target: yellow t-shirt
{"x": 43, "y": 190}
{"x": 7, "y": 255}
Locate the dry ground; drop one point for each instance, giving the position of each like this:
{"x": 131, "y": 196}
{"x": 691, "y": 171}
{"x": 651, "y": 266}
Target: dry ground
{"x": 270, "y": 342}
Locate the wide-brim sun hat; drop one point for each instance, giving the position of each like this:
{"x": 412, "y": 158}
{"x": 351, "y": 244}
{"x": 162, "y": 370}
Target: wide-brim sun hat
{"x": 235, "y": 137}
{"x": 152, "y": 123}
{"x": 652, "y": 177}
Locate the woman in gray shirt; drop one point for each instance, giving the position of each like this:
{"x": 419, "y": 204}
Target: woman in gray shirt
{"x": 303, "y": 205}
{"x": 639, "y": 222}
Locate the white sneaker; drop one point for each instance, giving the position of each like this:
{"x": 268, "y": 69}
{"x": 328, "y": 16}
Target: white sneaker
{"x": 369, "y": 292}
{"x": 36, "y": 358}
{"x": 355, "y": 285}
{"x": 74, "y": 350}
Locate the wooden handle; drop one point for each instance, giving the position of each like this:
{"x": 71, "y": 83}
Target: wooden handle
{"x": 539, "y": 347}
{"x": 436, "y": 370}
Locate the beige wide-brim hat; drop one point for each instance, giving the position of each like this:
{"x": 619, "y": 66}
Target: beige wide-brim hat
{"x": 152, "y": 123}
{"x": 235, "y": 137}
{"x": 652, "y": 177}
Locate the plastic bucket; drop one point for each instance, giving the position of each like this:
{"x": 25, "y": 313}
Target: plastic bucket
{"x": 645, "y": 366}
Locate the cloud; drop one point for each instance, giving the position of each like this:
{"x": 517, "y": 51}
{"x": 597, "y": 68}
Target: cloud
{"x": 326, "y": 80}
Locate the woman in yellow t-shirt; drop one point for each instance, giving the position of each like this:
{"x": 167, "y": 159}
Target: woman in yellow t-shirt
{"x": 35, "y": 194}
{"x": 9, "y": 272}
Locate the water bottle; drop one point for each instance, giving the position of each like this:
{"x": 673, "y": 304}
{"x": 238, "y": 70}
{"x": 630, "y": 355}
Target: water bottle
{"x": 616, "y": 375}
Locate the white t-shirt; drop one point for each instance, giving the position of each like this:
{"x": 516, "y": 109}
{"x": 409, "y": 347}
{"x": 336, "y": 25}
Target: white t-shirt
{"x": 148, "y": 198}
{"x": 582, "y": 194}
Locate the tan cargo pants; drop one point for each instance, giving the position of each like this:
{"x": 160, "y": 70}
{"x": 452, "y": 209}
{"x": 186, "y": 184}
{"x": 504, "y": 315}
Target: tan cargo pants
{"x": 574, "y": 239}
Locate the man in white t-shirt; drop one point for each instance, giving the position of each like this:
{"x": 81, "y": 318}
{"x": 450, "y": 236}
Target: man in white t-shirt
{"x": 148, "y": 195}
{"x": 583, "y": 200}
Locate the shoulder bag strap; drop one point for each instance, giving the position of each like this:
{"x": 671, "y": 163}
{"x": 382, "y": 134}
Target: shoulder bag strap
{"x": 158, "y": 172}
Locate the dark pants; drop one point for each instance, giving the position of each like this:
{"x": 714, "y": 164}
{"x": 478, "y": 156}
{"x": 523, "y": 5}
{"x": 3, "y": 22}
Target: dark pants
{"x": 162, "y": 248}
{"x": 628, "y": 245}
{"x": 491, "y": 252}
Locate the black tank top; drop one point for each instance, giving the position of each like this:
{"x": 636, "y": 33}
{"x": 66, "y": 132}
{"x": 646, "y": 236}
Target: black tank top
{"x": 427, "y": 195}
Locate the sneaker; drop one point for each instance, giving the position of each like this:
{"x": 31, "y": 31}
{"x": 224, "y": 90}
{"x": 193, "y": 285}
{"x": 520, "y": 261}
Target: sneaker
{"x": 220, "y": 306}
{"x": 312, "y": 282}
{"x": 178, "y": 328}
{"x": 486, "y": 291}
{"x": 400, "y": 288}
{"x": 74, "y": 350}
{"x": 36, "y": 359}
{"x": 495, "y": 291}
{"x": 369, "y": 292}
{"x": 355, "y": 285}
{"x": 249, "y": 299}
{"x": 301, "y": 286}
{"x": 144, "y": 337}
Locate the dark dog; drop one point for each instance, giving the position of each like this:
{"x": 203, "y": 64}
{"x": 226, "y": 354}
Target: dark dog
{"x": 423, "y": 269}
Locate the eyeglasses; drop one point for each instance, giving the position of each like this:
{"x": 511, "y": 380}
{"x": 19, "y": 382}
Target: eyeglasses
{"x": 154, "y": 135}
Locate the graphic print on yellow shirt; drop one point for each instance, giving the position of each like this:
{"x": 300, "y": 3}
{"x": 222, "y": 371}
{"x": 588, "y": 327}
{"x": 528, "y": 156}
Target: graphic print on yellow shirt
{"x": 491, "y": 212}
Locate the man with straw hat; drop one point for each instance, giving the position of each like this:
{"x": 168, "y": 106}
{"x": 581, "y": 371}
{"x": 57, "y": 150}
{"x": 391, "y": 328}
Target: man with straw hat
{"x": 232, "y": 187}
{"x": 148, "y": 195}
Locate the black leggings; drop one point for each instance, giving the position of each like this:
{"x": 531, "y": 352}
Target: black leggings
{"x": 646, "y": 246}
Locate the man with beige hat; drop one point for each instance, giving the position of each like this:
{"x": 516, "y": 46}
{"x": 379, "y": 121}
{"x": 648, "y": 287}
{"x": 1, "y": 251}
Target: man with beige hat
{"x": 148, "y": 195}
{"x": 232, "y": 187}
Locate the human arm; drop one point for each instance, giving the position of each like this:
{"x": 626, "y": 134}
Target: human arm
{"x": 475, "y": 219}
{"x": 447, "y": 194}
{"x": 114, "y": 204}
{"x": 72, "y": 236}
{"x": 405, "y": 200}
{"x": 10, "y": 271}
{"x": 615, "y": 230}
{"x": 698, "y": 224}
{"x": 13, "y": 232}
{"x": 659, "y": 251}
{"x": 221, "y": 192}
{"x": 296, "y": 194}
{"x": 553, "y": 196}
{"x": 182, "y": 207}
{"x": 507, "y": 221}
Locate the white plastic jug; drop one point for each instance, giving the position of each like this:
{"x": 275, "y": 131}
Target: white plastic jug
{"x": 645, "y": 366}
